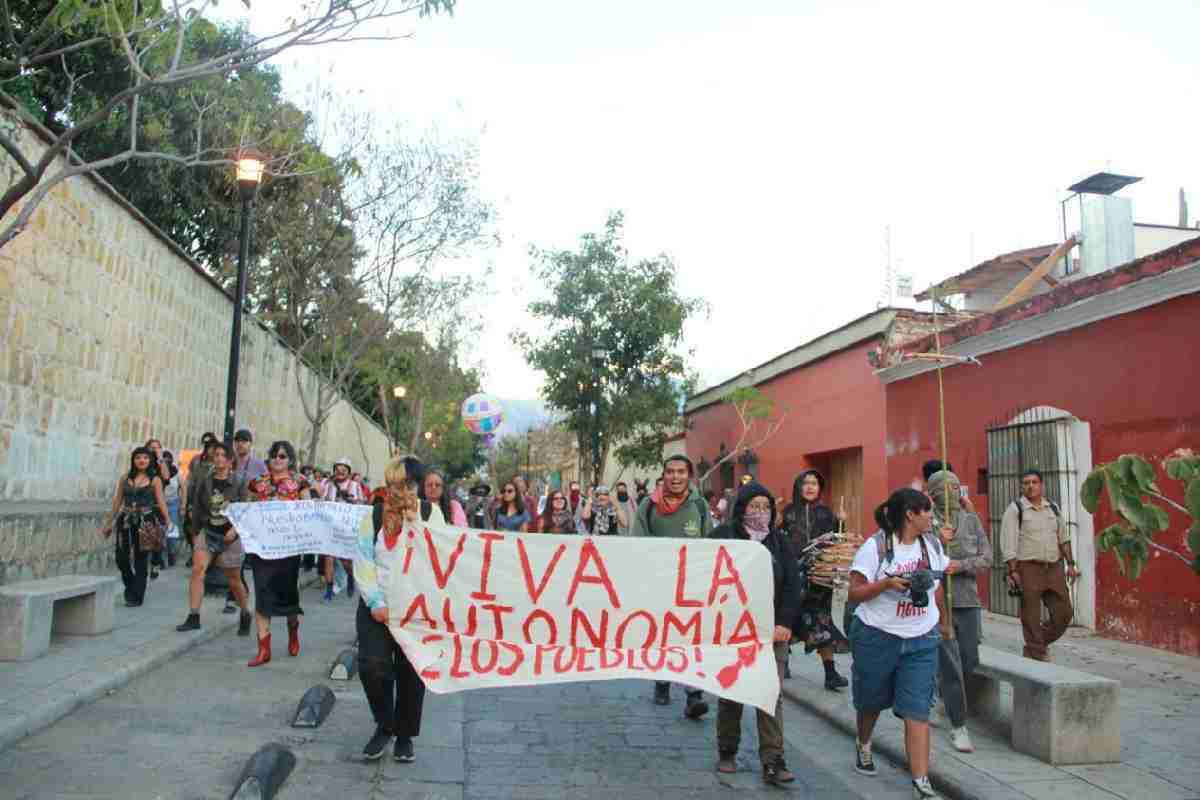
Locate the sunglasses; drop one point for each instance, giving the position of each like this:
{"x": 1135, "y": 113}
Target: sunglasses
{"x": 510, "y": 491}
{"x": 280, "y": 455}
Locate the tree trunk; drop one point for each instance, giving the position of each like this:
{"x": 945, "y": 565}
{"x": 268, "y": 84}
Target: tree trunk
{"x": 387, "y": 425}
{"x": 420, "y": 417}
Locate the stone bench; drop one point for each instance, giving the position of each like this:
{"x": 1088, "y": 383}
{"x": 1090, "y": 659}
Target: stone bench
{"x": 1059, "y": 715}
{"x": 68, "y": 604}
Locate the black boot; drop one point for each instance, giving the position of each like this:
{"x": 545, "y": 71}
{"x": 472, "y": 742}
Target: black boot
{"x": 833, "y": 681}
{"x": 244, "y": 624}
{"x": 192, "y": 623}
{"x": 696, "y": 707}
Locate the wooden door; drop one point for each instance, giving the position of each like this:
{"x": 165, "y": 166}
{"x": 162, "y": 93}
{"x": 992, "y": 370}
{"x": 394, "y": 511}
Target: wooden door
{"x": 846, "y": 487}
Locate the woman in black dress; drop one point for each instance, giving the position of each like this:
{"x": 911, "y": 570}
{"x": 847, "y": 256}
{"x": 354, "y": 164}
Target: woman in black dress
{"x": 276, "y": 580}
{"x": 138, "y": 501}
{"x": 805, "y": 519}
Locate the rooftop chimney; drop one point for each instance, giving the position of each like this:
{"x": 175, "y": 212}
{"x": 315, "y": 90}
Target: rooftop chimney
{"x": 1106, "y": 222}
{"x": 1183, "y": 211}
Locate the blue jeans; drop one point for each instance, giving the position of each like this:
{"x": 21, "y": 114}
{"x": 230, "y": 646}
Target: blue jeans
{"x": 892, "y": 672}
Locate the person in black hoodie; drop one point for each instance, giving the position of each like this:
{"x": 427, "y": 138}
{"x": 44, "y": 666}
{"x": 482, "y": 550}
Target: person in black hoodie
{"x": 753, "y": 519}
{"x": 805, "y": 519}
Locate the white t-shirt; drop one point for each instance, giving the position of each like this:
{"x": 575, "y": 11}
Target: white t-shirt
{"x": 893, "y": 611}
{"x": 352, "y": 489}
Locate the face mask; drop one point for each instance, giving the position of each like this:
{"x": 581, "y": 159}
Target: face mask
{"x": 622, "y": 496}
{"x": 757, "y": 524}
{"x": 574, "y": 495}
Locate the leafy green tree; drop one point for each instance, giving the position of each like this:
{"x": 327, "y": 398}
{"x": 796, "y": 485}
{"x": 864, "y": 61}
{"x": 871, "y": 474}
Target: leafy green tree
{"x": 1130, "y": 485}
{"x": 600, "y": 298}
{"x": 114, "y": 81}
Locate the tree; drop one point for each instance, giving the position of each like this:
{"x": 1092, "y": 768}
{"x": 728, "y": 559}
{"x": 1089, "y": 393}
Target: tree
{"x": 1131, "y": 486}
{"x": 599, "y": 298}
{"x": 348, "y": 263}
{"x": 506, "y": 458}
{"x": 103, "y": 68}
{"x": 756, "y": 414}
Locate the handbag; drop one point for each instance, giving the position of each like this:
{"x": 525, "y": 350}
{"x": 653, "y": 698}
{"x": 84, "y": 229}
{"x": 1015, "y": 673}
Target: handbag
{"x": 151, "y": 534}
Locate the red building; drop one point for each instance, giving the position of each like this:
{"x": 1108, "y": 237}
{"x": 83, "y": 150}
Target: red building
{"x": 835, "y": 415}
{"x": 1077, "y": 376}
{"x": 1098, "y": 361}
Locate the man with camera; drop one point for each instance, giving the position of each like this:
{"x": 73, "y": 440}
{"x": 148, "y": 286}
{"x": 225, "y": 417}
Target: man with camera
{"x": 1034, "y": 543}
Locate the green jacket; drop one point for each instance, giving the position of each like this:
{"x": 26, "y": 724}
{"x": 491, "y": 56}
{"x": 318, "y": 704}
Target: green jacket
{"x": 691, "y": 521}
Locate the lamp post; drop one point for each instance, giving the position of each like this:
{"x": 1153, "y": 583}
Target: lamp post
{"x": 598, "y": 356}
{"x": 399, "y": 392}
{"x": 249, "y": 175}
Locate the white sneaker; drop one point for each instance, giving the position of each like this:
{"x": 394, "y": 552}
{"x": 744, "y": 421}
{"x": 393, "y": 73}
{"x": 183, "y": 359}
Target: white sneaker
{"x": 961, "y": 740}
{"x": 922, "y": 790}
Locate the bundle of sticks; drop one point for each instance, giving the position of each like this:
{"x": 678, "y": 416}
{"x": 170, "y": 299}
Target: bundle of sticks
{"x": 826, "y": 561}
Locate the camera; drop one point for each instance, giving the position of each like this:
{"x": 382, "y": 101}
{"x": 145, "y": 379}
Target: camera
{"x": 1014, "y": 588}
{"x": 920, "y": 584}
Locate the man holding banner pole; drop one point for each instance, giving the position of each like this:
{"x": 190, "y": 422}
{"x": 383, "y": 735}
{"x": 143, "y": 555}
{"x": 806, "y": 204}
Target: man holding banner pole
{"x": 676, "y": 510}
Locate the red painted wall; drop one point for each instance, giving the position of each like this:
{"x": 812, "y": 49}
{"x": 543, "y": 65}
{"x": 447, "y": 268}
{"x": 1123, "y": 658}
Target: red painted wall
{"x": 834, "y": 404}
{"x": 1134, "y": 379}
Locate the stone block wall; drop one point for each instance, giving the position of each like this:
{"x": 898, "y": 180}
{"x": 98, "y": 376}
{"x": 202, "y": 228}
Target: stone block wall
{"x": 110, "y": 335}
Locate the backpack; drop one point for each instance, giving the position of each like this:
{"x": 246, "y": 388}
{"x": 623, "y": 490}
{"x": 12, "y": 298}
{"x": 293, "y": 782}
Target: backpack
{"x": 1021, "y": 512}
{"x": 700, "y": 502}
{"x": 883, "y": 546}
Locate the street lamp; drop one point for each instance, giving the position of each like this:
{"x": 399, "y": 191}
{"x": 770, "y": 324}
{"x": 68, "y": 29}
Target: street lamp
{"x": 249, "y": 175}
{"x": 399, "y": 392}
{"x": 599, "y": 354}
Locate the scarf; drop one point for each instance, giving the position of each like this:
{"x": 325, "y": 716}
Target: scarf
{"x": 758, "y": 524}
{"x": 560, "y": 521}
{"x": 574, "y": 499}
{"x": 603, "y": 519}
{"x": 665, "y": 504}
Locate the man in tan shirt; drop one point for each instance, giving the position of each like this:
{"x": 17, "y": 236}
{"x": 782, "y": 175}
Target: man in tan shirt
{"x": 1034, "y": 542}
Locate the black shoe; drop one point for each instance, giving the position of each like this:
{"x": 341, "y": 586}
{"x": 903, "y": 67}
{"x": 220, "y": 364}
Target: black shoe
{"x": 192, "y": 623}
{"x": 776, "y": 772}
{"x": 834, "y": 681}
{"x": 403, "y": 750}
{"x": 132, "y": 603}
{"x": 244, "y": 624}
{"x": 379, "y": 741}
{"x": 662, "y": 694}
{"x": 230, "y": 607}
{"x": 696, "y": 707}
{"x": 787, "y": 671}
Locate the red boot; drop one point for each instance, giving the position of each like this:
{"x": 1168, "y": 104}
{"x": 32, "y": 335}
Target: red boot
{"x": 294, "y": 638}
{"x": 264, "y": 652}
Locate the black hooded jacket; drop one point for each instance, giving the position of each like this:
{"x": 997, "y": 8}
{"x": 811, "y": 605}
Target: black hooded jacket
{"x": 788, "y": 590}
{"x": 805, "y": 521}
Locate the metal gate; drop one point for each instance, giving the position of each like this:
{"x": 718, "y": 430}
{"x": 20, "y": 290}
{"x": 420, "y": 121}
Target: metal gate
{"x": 1037, "y": 438}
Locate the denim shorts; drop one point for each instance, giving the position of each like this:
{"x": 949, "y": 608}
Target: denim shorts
{"x": 891, "y": 672}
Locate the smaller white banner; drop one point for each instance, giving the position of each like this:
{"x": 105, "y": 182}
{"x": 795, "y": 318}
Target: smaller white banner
{"x": 278, "y": 529}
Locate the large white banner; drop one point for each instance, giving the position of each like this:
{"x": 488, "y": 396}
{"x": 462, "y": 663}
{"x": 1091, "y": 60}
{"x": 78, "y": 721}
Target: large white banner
{"x": 278, "y": 529}
{"x": 476, "y": 609}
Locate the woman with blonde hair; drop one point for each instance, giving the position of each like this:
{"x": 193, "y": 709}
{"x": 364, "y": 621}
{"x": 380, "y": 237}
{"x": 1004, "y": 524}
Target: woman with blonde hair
{"x": 394, "y": 689}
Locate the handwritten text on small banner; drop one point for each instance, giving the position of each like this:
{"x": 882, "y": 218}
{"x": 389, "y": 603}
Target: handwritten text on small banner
{"x": 277, "y": 529}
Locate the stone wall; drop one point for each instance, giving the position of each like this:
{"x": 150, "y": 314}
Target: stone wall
{"x": 110, "y": 335}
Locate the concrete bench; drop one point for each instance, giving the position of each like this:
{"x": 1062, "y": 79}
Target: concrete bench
{"x": 68, "y": 604}
{"x": 1059, "y": 715}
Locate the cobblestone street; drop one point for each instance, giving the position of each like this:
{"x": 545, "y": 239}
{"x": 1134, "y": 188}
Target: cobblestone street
{"x": 185, "y": 729}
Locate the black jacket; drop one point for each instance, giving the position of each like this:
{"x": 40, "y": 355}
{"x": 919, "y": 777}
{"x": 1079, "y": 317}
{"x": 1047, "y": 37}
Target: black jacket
{"x": 788, "y": 590}
{"x": 805, "y": 521}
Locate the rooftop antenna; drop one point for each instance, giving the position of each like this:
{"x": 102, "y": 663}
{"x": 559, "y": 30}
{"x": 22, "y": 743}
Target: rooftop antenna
{"x": 885, "y": 294}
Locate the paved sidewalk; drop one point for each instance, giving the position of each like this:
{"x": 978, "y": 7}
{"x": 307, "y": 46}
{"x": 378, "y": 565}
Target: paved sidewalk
{"x": 1160, "y": 725}
{"x": 80, "y": 669}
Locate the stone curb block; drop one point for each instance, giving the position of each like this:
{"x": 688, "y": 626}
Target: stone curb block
{"x": 942, "y": 781}
{"x": 14, "y": 730}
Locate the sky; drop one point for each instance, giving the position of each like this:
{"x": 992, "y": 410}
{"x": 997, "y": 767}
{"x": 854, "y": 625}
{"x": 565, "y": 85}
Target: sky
{"x": 772, "y": 148}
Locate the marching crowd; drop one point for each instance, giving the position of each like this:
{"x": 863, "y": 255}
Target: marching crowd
{"x": 912, "y": 621}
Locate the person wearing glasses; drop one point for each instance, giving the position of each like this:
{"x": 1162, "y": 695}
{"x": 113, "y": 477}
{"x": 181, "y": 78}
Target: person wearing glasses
{"x": 557, "y": 517}
{"x": 510, "y": 512}
{"x": 599, "y": 516}
{"x": 276, "y": 580}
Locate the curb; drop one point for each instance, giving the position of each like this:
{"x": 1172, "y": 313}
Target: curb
{"x": 67, "y": 700}
{"x": 944, "y": 782}
{"x": 12, "y": 731}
